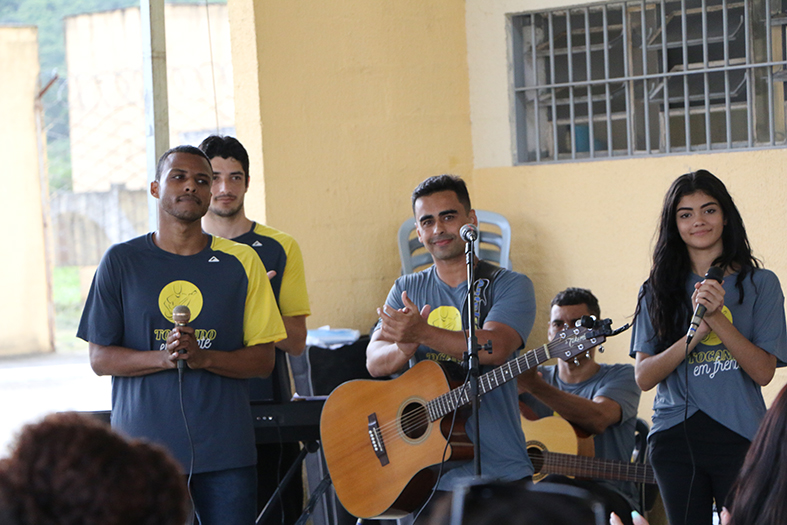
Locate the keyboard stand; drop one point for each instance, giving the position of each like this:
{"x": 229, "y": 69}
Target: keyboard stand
{"x": 308, "y": 446}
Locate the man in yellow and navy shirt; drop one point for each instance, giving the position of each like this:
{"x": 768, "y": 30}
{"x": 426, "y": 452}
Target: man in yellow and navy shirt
{"x": 281, "y": 254}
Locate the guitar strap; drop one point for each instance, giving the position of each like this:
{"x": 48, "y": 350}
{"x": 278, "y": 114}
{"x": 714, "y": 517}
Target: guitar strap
{"x": 485, "y": 274}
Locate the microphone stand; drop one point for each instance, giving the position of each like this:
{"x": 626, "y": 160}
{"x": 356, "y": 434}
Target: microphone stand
{"x": 471, "y": 356}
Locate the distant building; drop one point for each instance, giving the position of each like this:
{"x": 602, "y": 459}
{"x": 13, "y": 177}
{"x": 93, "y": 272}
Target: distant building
{"x": 26, "y": 319}
{"x": 107, "y": 116}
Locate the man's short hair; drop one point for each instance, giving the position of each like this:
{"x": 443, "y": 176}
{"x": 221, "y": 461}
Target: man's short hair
{"x": 178, "y": 149}
{"x": 443, "y": 183}
{"x": 572, "y": 296}
{"x": 226, "y": 147}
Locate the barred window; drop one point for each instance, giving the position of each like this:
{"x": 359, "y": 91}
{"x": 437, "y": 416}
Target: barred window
{"x": 624, "y": 79}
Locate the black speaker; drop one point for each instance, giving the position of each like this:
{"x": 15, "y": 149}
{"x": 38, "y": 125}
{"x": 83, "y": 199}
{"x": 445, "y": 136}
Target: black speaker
{"x": 330, "y": 368}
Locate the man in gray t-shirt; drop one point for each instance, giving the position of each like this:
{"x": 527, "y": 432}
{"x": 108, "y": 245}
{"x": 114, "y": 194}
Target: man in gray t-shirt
{"x": 422, "y": 319}
{"x": 599, "y": 399}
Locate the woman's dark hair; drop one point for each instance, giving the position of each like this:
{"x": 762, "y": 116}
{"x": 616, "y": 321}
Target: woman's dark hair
{"x": 759, "y": 494}
{"x": 669, "y": 308}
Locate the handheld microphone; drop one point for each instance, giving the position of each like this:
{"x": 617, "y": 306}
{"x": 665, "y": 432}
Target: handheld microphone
{"x": 717, "y": 274}
{"x": 469, "y": 232}
{"x": 181, "y": 315}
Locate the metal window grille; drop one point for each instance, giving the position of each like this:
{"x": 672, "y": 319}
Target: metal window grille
{"x": 639, "y": 78}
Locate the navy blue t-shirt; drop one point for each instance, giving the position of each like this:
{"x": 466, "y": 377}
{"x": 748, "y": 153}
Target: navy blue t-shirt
{"x": 232, "y": 306}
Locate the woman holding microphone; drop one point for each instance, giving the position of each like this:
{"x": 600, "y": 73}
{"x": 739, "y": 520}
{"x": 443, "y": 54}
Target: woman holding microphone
{"x": 709, "y": 404}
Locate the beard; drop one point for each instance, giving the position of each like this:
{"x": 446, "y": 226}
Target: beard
{"x": 185, "y": 214}
{"x": 449, "y": 252}
{"x": 227, "y": 212}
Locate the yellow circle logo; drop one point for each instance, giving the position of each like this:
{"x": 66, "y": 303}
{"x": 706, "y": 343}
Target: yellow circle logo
{"x": 180, "y": 293}
{"x": 712, "y": 339}
{"x": 447, "y": 317}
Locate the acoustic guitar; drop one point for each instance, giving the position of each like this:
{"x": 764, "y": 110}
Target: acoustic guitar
{"x": 383, "y": 441}
{"x": 555, "y": 448}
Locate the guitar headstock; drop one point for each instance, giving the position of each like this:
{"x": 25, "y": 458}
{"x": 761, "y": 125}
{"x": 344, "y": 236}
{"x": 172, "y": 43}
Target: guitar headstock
{"x": 577, "y": 340}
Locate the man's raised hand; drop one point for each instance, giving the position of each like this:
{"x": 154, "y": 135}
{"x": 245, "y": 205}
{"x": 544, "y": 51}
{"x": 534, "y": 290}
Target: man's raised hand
{"x": 403, "y": 325}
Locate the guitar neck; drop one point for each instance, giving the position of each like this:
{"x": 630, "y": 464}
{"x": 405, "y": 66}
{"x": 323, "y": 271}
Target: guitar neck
{"x": 460, "y": 396}
{"x": 594, "y": 468}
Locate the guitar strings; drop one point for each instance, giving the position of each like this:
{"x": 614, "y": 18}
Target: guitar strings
{"x": 403, "y": 426}
{"x": 582, "y": 466}
{"x": 406, "y": 424}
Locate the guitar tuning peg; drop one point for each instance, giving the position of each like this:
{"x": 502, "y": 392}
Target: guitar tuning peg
{"x": 587, "y": 354}
{"x": 576, "y": 361}
{"x": 601, "y": 349}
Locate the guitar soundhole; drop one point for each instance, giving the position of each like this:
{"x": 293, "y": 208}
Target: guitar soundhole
{"x": 415, "y": 420}
{"x": 536, "y": 457}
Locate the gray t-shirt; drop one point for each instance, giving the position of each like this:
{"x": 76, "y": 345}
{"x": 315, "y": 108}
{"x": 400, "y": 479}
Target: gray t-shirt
{"x": 503, "y": 448}
{"x": 717, "y": 385}
{"x": 617, "y": 383}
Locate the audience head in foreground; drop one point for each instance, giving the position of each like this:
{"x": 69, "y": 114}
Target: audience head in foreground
{"x": 495, "y": 503}
{"x": 759, "y": 494}
{"x": 73, "y": 469}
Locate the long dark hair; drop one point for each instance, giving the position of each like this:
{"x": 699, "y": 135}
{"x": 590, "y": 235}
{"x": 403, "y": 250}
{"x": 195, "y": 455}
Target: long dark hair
{"x": 669, "y": 307}
{"x": 759, "y": 494}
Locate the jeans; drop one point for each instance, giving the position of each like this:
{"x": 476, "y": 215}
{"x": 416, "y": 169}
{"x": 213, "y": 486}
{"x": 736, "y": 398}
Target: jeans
{"x": 225, "y": 497}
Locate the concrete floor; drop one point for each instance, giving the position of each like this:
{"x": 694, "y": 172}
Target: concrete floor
{"x": 33, "y": 386}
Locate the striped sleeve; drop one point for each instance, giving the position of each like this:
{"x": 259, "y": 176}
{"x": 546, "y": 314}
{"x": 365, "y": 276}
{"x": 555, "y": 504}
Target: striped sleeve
{"x": 261, "y": 319}
{"x": 293, "y": 297}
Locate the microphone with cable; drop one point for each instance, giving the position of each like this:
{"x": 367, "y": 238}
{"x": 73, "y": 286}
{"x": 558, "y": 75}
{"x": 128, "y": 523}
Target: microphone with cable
{"x": 181, "y": 316}
{"x": 717, "y": 274}
{"x": 469, "y": 232}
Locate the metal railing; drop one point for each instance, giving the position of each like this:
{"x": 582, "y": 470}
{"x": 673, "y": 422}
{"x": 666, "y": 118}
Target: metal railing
{"x": 636, "y": 78}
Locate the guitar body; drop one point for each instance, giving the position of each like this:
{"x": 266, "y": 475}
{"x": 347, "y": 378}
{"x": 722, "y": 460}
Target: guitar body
{"x": 384, "y": 441}
{"x": 556, "y": 447}
{"x": 394, "y": 481}
{"x": 553, "y": 434}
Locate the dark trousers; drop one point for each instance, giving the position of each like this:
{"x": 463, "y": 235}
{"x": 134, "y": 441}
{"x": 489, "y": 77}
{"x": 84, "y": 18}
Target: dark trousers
{"x": 718, "y": 455}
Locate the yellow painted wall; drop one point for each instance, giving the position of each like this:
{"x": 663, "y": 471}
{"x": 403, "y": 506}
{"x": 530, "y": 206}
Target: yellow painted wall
{"x": 592, "y": 224}
{"x": 245, "y": 46}
{"x": 359, "y": 101}
{"x": 356, "y": 102}
{"x": 25, "y": 320}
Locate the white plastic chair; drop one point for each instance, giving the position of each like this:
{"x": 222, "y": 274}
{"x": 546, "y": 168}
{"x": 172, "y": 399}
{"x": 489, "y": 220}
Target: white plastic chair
{"x": 491, "y": 245}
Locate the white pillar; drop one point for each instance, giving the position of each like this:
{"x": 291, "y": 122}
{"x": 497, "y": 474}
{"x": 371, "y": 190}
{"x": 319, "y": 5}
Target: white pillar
{"x": 154, "y": 72}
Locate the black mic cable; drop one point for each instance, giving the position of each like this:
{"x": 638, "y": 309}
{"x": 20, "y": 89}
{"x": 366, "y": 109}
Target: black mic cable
{"x": 181, "y": 316}
{"x": 716, "y": 273}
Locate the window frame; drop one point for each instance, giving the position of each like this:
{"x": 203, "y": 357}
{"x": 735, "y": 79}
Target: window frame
{"x": 649, "y": 67}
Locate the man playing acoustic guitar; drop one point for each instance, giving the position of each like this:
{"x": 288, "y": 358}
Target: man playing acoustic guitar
{"x": 422, "y": 318}
{"x": 599, "y": 399}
